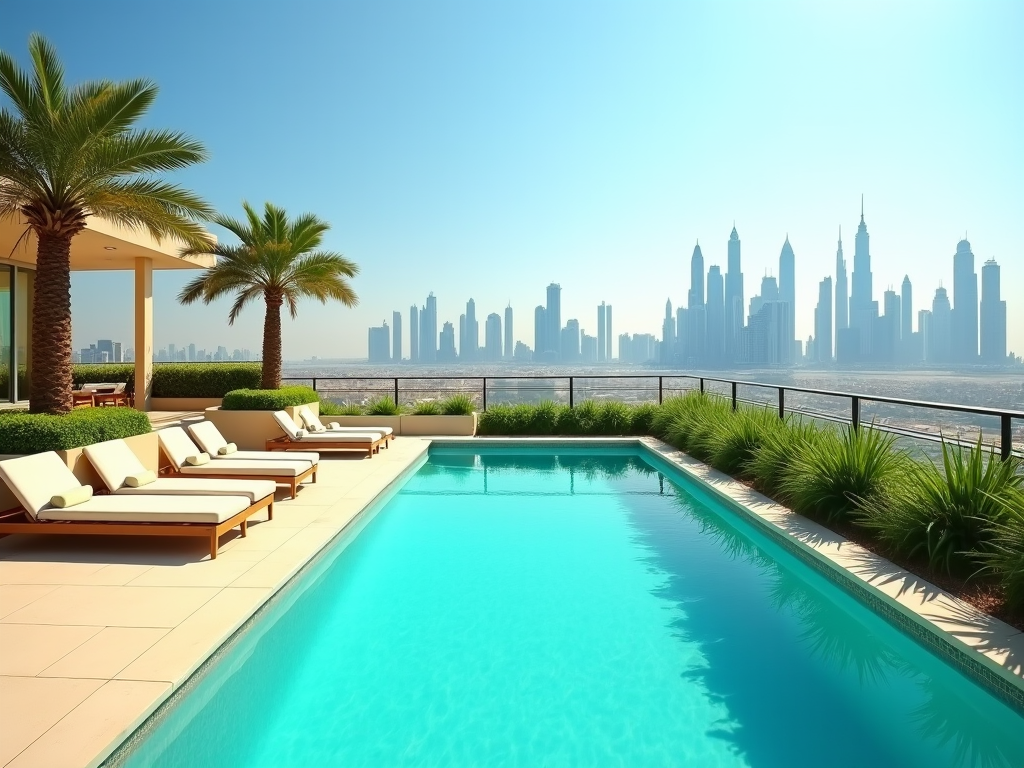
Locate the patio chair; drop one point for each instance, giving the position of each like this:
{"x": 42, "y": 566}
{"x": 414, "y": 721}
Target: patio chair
{"x": 115, "y": 463}
{"x": 299, "y": 439}
{"x": 34, "y": 479}
{"x": 186, "y": 460}
{"x": 208, "y": 437}
{"x": 314, "y": 426}
{"x": 110, "y": 394}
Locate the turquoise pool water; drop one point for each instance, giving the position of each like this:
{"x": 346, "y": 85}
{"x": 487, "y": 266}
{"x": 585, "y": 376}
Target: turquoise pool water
{"x": 582, "y": 609}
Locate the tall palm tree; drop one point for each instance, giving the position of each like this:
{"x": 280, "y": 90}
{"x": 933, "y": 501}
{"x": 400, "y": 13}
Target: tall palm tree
{"x": 70, "y": 152}
{"x": 280, "y": 261}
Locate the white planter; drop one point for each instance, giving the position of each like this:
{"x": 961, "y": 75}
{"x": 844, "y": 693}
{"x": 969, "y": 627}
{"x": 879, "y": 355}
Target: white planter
{"x": 457, "y": 426}
{"x": 250, "y": 430}
{"x": 183, "y": 403}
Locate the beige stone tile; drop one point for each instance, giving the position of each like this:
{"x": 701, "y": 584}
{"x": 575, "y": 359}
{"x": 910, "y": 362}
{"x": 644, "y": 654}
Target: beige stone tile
{"x": 93, "y": 728}
{"x": 205, "y": 573}
{"x": 106, "y": 653}
{"x": 43, "y": 572}
{"x": 176, "y": 655}
{"x": 314, "y": 496}
{"x": 114, "y": 606}
{"x": 14, "y": 597}
{"x": 30, "y": 706}
{"x": 272, "y": 572}
{"x": 265, "y": 538}
{"x": 28, "y": 649}
{"x": 300, "y": 516}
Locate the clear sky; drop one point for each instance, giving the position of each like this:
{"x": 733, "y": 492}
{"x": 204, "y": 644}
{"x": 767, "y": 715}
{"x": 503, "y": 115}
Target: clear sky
{"x": 485, "y": 149}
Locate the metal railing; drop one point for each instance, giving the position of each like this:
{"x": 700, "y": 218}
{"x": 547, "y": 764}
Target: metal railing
{"x": 571, "y": 386}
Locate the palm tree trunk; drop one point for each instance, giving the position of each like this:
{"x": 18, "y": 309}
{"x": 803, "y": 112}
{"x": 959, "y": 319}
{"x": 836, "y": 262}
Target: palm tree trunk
{"x": 51, "y": 375}
{"x": 272, "y": 343}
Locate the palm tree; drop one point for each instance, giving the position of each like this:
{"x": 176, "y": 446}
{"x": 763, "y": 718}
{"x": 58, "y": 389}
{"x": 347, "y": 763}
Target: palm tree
{"x": 280, "y": 261}
{"x": 70, "y": 152}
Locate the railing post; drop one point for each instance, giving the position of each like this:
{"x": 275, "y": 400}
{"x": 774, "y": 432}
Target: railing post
{"x": 484, "y": 398}
{"x": 855, "y": 413}
{"x": 734, "y": 395}
{"x": 1005, "y": 436}
{"x": 782, "y": 402}
{"x": 396, "y": 390}
{"x": 570, "y": 392}
{"x": 702, "y": 385}
{"x": 660, "y": 390}
{"x": 314, "y": 383}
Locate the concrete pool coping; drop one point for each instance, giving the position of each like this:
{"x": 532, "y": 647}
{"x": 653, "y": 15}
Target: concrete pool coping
{"x": 95, "y": 643}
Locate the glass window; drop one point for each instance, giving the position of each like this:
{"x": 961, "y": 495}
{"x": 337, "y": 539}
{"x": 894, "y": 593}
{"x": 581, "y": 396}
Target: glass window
{"x": 24, "y": 285}
{"x": 6, "y": 343}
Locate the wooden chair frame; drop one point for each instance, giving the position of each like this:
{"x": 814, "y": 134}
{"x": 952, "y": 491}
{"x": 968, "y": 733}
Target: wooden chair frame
{"x": 286, "y": 443}
{"x": 170, "y": 470}
{"x": 211, "y": 531}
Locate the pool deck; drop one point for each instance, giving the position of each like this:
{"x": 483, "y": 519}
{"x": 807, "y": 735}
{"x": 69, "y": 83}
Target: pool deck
{"x": 96, "y": 632}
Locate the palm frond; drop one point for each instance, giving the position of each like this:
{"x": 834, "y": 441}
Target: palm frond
{"x": 48, "y": 73}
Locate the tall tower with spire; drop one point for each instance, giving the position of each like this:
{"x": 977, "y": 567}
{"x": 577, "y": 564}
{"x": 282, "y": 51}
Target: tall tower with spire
{"x": 863, "y": 307}
{"x": 842, "y": 291}
{"x": 733, "y": 298}
{"x": 787, "y": 291}
{"x": 696, "y": 317}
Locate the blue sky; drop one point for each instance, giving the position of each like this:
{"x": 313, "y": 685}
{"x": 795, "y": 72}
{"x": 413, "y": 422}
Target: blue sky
{"x": 485, "y": 149}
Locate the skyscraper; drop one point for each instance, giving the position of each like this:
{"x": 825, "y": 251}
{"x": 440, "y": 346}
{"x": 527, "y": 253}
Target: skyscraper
{"x": 993, "y": 316}
{"x": 715, "y": 314}
{"x": 601, "y": 334}
{"x": 733, "y": 297}
{"x": 907, "y": 308}
{"x": 553, "y": 315}
{"x": 492, "y": 337}
{"x": 888, "y": 341}
{"x": 540, "y": 331}
{"x": 509, "y": 343}
{"x": 396, "y": 337}
{"x": 469, "y": 339}
{"x": 668, "y": 335}
{"x": 379, "y": 344}
{"x": 428, "y": 330}
{"x": 414, "y": 334}
{"x": 823, "y": 322}
{"x": 570, "y": 343}
{"x": 965, "y": 306}
{"x": 863, "y": 307}
{"x": 696, "y": 317}
{"x": 787, "y": 286}
{"x": 842, "y": 316}
{"x": 447, "y": 353}
{"x": 608, "y": 333}
{"x": 940, "y": 344}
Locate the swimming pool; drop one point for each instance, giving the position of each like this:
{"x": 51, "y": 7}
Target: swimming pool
{"x": 583, "y": 607}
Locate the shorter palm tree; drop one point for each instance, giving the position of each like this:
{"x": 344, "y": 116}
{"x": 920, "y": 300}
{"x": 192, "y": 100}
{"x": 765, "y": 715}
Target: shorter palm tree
{"x": 279, "y": 260}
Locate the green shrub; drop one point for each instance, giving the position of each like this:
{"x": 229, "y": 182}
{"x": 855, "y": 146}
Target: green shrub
{"x": 834, "y": 476}
{"x": 695, "y": 419}
{"x": 458, "y": 405}
{"x": 268, "y": 399}
{"x": 614, "y": 419}
{"x": 507, "y": 420}
{"x": 734, "y": 446}
{"x": 204, "y": 379}
{"x": 104, "y": 373}
{"x": 427, "y": 408}
{"x": 946, "y": 514}
{"x": 382, "y": 406}
{"x": 666, "y": 414}
{"x": 1004, "y": 557}
{"x": 642, "y": 419}
{"x": 331, "y": 408}
{"x": 773, "y": 461}
{"x": 22, "y": 432}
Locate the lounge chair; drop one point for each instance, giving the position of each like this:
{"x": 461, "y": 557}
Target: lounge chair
{"x": 115, "y": 462}
{"x": 35, "y": 479}
{"x": 208, "y": 437}
{"x": 179, "y": 449}
{"x": 313, "y": 425}
{"x": 299, "y": 439}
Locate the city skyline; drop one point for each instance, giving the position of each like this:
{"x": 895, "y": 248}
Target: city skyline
{"x": 592, "y": 150}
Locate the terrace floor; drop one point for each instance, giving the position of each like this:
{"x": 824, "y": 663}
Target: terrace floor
{"x": 95, "y": 632}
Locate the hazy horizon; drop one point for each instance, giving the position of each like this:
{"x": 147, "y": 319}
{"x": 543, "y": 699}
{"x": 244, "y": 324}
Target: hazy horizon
{"x": 483, "y": 151}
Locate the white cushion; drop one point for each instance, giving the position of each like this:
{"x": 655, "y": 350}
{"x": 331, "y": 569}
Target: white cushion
{"x": 141, "y": 480}
{"x": 227, "y": 450}
{"x": 114, "y": 461}
{"x": 242, "y": 468}
{"x": 284, "y": 421}
{"x": 176, "y": 445}
{"x": 310, "y": 419}
{"x": 311, "y": 456}
{"x": 198, "y": 460}
{"x": 336, "y": 427}
{"x": 207, "y": 436}
{"x": 34, "y": 479}
{"x": 355, "y": 438}
{"x": 194, "y": 486}
{"x": 137, "y": 508}
{"x": 69, "y": 498}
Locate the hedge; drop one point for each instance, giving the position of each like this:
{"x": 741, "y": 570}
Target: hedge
{"x": 268, "y": 399}
{"x": 204, "y": 379}
{"x": 23, "y": 432}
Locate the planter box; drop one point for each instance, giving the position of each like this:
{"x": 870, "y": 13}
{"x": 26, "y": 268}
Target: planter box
{"x": 395, "y": 422}
{"x": 250, "y": 430}
{"x": 183, "y": 403}
{"x": 458, "y": 426}
{"x": 146, "y": 447}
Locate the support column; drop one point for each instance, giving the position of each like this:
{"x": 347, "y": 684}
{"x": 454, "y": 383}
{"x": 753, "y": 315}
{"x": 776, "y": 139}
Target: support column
{"x": 143, "y": 332}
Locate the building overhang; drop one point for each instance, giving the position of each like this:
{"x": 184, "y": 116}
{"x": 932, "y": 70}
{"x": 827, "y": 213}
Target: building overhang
{"x": 102, "y": 245}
